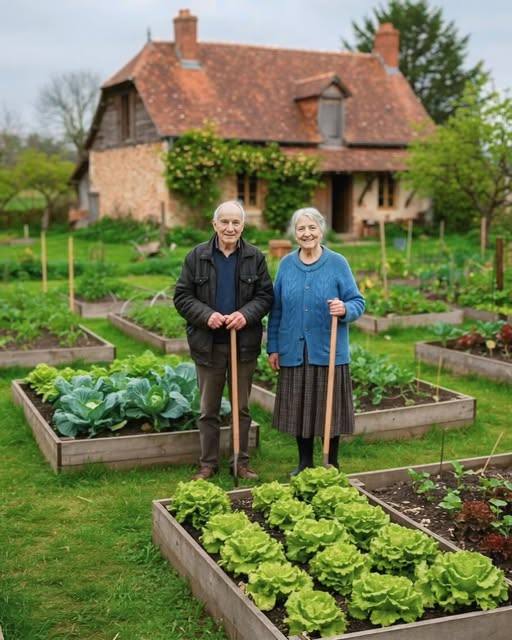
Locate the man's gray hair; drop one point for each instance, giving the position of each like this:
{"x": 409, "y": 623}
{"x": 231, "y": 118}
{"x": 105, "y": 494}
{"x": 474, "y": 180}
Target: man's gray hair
{"x": 238, "y": 204}
{"x": 308, "y": 212}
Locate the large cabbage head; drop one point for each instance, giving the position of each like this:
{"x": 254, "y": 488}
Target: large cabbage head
{"x": 397, "y": 549}
{"x": 362, "y": 521}
{"x": 338, "y": 565}
{"x": 272, "y": 580}
{"x": 310, "y": 610}
{"x": 309, "y": 535}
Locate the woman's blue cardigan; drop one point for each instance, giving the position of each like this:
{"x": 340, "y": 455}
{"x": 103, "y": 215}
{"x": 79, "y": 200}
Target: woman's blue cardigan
{"x": 300, "y": 313}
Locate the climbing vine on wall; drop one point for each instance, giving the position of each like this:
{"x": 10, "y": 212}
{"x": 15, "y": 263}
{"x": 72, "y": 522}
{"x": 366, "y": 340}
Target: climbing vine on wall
{"x": 199, "y": 159}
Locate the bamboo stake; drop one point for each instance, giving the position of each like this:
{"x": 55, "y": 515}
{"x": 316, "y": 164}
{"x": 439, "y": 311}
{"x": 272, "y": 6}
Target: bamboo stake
{"x": 71, "y": 273}
{"x": 383, "y": 256}
{"x": 483, "y": 236}
{"x": 499, "y": 264}
{"x": 409, "y": 241}
{"x": 441, "y": 232}
{"x": 482, "y": 471}
{"x": 441, "y": 457}
{"x": 25, "y": 231}
{"x": 44, "y": 267}
{"x": 439, "y": 367}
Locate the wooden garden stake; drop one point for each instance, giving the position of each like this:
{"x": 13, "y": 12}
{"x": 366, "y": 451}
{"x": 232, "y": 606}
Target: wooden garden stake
{"x": 499, "y": 264}
{"x": 439, "y": 367}
{"x": 44, "y": 267}
{"x": 483, "y": 236}
{"x": 482, "y": 471}
{"x": 383, "y": 256}
{"x": 409, "y": 241}
{"x": 441, "y": 457}
{"x": 71, "y": 274}
{"x": 418, "y": 368}
{"x": 25, "y": 231}
{"x": 441, "y": 232}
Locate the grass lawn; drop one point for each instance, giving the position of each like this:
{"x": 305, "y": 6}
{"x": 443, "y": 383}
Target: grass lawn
{"x": 76, "y": 558}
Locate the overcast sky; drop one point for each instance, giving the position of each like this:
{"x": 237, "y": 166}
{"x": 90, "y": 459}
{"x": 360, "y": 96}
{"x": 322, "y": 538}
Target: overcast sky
{"x": 39, "y": 38}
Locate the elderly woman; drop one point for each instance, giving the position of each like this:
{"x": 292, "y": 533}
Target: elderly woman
{"x": 313, "y": 283}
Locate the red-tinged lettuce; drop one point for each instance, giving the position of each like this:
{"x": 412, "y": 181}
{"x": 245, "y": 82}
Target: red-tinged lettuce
{"x": 266, "y": 494}
{"x": 286, "y": 512}
{"x": 459, "y": 579}
{"x": 385, "y": 599}
{"x": 362, "y": 521}
{"x": 197, "y": 501}
{"x": 251, "y": 546}
{"x": 306, "y": 484}
{"x": 272, "y": 580}
{"x": 314, "y": 611}
{"x": 309, "y": 536}
{"x": 397, "y": 549}
{"x": 220, "y": 527}
{"x": 338, "y": 565}
{"x": 325, "y": 501}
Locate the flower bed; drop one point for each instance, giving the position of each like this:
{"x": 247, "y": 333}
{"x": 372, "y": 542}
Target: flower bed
{"x": 485, "y": 350}
{"x": 457, "y": 502}
{"x": 337, "y": 552}
{"x": 389, "y": 401}
{"x": 139, "y": 412}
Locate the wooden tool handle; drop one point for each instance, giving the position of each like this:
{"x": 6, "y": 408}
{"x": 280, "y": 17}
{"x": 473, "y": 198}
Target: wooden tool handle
{"x": 234, "y": 394}
{"x": 330, "y": 388}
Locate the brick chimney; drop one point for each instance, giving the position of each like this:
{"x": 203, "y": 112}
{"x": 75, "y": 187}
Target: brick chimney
{"x": 386, "y": 44}
{"x": 185, "y": 36}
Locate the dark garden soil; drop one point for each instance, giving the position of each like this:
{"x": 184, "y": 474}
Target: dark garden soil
{"x": 45, "y": 340}
{"x": 133, "y": 428}
{"x": 278, "y": 614}
{"x": 418, "y": 394}
{"x": 478, "y": 350}
{"x": 426, "y": 511}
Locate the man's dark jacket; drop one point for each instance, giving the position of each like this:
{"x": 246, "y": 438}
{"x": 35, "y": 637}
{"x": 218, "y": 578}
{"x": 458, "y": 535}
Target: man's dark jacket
{"x": 194, "y": 299}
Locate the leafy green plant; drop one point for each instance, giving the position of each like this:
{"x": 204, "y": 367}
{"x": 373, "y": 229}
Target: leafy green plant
{"x": 460, "y": 473}
{"x": 309, "y": 536}
{"x": 286, "y": 512}
{"x": 451, "y": 501}
{"x": 385, "y": 599}
{"x": 162, "y": 319}
{"x": 422, "y": 482}
{"x": 220, "y": 527}
{"x": 264, "y": 372}
{"x": 400, "y": 301}
{"x": 396, "y": 549}
{"x": 42, "y": 379}
{"x": 264, "y": 495}
{"x": 97, "y": 283}
{"x": 446, "y": 332}
{"x": 271, "y": 581}
{"x": 197, "y": 501}
{"x": 156, "y": 402}
{"x": 362, "y": 521}
{"x": 338, "y": 565}
{"x": 247, "y": 550}
{"x": 309, "y": 481}
{"x": 310, "y": 610}
{"x": 325, "y": 501}
{"x": 460, "y": 579}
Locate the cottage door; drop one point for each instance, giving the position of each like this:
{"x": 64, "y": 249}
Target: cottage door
{"x": 342, "y": 202}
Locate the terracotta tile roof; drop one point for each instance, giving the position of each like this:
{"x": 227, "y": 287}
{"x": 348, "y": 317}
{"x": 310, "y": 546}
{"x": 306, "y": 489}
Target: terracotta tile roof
{"x": 309, "y": 87}
{"x": 250, "y": 91}
{"x": 351, "y": 159}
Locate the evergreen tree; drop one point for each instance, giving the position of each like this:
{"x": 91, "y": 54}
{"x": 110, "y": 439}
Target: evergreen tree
{"x": 432, "y": 53}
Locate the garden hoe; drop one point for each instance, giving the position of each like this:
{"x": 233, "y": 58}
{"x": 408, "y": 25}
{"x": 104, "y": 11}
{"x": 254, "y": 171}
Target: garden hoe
{"x": 235, "y": 416}
{"x": 330, "y": 389}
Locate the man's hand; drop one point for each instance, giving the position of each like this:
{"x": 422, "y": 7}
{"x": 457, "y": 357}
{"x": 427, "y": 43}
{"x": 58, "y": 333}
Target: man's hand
{"x": 337, "y": 307}
{"x": 235, "y": 320}
{"x": 273, "y": 359}
{"x": 216, "y": 320}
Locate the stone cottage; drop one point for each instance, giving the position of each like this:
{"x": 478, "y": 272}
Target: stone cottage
{"x": 356, "y": 111}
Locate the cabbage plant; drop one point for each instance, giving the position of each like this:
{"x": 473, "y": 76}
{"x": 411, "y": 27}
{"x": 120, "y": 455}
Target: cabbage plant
{"x": 197, "y": 501}
{"x": 309, "y": 535}
{"x": 266, "y": 494}
{"x": 325, "y": 501}
{"x": 310, "y": 480}
{"x": 385, "y": 599}
{"x": 284, "y": 513}
{"x": 397, "y": 549}
{"x": 362, "y": 521}
{"x": 338, "y": 565}
{"x": 220, "y": 527}
{"x": 156, "y": 402}
{"x": 272, "y": 580}
{"x": 244, "y": 552}
{"x": 310, "y": 610}
{"x": 461, "y": 578}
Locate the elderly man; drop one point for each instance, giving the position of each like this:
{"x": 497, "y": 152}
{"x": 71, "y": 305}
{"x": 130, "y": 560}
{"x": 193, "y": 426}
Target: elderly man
{"x": 224, "y": 284}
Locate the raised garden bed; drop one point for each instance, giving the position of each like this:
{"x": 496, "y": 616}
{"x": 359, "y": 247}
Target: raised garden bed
{"x": 394, "y": 487}
{"x": 484, "y": 316}
{"x": 463, "y": 361}
{"x": 374, "y": 324}
{"x": 117, "y": 451}
{"x": 90, "y": 348}
{"x": 453, "y": 410}
{"x": 167, "y": 345}
{"x": 242, "y": 620}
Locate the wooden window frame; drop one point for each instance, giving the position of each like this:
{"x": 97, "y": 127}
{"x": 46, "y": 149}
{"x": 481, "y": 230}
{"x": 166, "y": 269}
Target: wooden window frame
{"x": 249, "y": 188}
{"x": 389, "y": 198}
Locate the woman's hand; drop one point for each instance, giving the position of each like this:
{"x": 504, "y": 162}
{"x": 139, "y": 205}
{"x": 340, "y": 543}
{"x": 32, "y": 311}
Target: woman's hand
{"x": 273, "y": 359}
{"x": 337, "y": 307}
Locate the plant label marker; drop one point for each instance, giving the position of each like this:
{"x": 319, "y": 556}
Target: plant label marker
{"x": 71, "y": 273}
{"x": 44, "y": 268}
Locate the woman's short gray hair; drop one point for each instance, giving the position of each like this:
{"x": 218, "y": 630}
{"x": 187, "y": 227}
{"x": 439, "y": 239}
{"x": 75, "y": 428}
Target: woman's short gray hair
{"x": 308, "y": 212}
{"x": 237, "y": 204}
